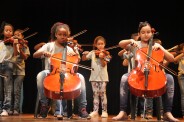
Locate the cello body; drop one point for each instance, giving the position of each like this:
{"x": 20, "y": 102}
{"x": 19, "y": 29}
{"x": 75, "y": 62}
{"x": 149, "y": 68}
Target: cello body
{"x": 156, "y": 81}
{"x": 71, "y": 86}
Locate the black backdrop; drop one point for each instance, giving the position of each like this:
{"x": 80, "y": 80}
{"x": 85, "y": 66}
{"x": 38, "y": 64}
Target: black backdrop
{"x": 115, "y": 20}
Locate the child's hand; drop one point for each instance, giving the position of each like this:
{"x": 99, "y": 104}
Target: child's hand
{"x": 101, "y": 55}
{"x": 15, "y": 41}
{"x": 47, "y": 54}
{"x": 71, "y": 53}
{"x": 85, "y": 52}
{"x": 156, "y": 46}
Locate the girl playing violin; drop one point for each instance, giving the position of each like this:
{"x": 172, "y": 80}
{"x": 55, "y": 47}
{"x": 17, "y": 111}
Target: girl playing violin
{"x": 145, "y": 33}
{"x": 180, "y": 60}
{"x": 60, "y": 33}
{"x": 99, "y": 77}
{"x": 6, "y": 67}
{"x": 22, "y": 53}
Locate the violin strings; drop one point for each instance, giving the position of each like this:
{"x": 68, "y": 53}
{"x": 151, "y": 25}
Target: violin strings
{"x": 85, "y": 67}
{"x": 168, "y": 69}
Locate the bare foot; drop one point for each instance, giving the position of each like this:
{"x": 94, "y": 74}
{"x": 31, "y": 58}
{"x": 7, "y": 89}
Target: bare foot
{"x": 169, "y": 117}
{"x": 121, "y": 116}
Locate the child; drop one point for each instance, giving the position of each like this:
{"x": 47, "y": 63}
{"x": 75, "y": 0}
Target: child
{"x": 180, "y": 60}
{"x": 145, "y": 33}
{"x": 60, "y": 33}
{"x": 6, "y": 67}
{"x": 99, "y": 76}
{"x": 22, "y": 53}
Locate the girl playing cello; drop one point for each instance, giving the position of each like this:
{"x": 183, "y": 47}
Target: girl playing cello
{"x": 60, "y": 33}
{"x": 145, "y": 33}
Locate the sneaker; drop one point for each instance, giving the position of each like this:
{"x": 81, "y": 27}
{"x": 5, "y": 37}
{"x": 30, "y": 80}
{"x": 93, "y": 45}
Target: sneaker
{"x": 10, "y": 112}
{"x": 59, "y": 117}
{"x": 4, "y": 113}
{"x": 93, "y": 114}
{"x": 44, "y": 111}
{"x": 149, "y": 116}
{"x": 15, "y": 112}
{"x": 104, "y": 114}
{"x": 129, "y": 116}
{"x": 142, "y": 115}
{"x": 83, "y": 113}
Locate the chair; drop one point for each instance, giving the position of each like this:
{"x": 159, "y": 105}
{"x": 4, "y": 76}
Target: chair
{"x": 133, "y": 107}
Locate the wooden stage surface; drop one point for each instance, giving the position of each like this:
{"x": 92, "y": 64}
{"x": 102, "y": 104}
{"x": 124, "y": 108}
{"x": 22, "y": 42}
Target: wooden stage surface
{"x": 50, "y": 118}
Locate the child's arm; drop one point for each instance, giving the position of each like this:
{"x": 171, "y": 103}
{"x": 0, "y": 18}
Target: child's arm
{"x": 22, "y": 54}
{"x": 103, "y": 62}
{"x": 84, "y": 58}
{"x": 177, "y": 58}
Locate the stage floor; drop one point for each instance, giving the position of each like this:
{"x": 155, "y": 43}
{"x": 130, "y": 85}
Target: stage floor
{"x": 31, "y": 118}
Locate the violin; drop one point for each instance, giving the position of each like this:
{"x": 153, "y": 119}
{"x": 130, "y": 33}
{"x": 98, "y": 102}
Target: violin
{"x": 105, "y": 55}
{"x": 176, "y": 50}
{"x": 74, "y": 43}
{"x": 23, "y": 42}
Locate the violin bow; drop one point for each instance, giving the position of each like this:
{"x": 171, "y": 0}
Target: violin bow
{"x": 31, "y": 35}
{"x": 167, "y": 68}
{"x": 75, "y": 35}
{"x": 82, "y": 66}
{"x": 87, "y": 45}
{"x": 24, "y": 30}
{"x": 112, "y": 47}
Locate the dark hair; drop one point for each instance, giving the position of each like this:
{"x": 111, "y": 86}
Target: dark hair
{"x": 96, "y": 40}
{"x": 19, "y": 30}
{"x": 2, "y": 28}
{"x": 55, "y": 27}
{"x": 143, "y": 24}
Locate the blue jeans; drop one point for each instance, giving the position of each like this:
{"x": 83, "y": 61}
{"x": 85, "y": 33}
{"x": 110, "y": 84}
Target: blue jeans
{"x": 167, "y": 97}
{"x": 6, "y": 84}
{"x": 82, "y": 102}
{"x": 18, "y": 80}
{"x": 181, "y": 84}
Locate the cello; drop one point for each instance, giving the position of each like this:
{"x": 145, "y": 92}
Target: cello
{"x": 147, "y": 79}
{"x": 63, "y": 82}
{"x": 68, "y": 89}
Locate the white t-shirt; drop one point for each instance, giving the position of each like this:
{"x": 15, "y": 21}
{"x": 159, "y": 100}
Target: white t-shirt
{"x": 53, "y": 49}
{"x": 99, "y": 73}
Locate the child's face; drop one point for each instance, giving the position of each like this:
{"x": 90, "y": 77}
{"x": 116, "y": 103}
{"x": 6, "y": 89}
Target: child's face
{"x": 8, "y": 31}
{"x": 18, "y": 34}
{"x": 61, "y": 35}
{"x": 100, "y": 44}
{"x": 145, "y": 33}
